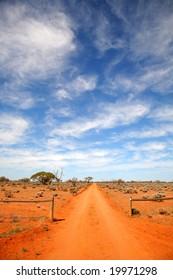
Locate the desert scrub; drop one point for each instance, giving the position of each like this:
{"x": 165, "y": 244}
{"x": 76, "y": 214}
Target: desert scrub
{"x": 73, "y": 190}
{"x": 14, "y": 218}
{"x": 16, "y": 191}
{"x": 11, "y": 232}
{"x": 24, "y": 250}
{"x": 163, "y": 211}
{"x": 39, "y": 194}
{"x": 46, "y": 228}
{"x": 55, "y": 194}
{"x": 135, "y": 212}
{"x": 157, "y": 196}
{"x": 8, "y": 194}
{"x": 51, "y": 188}
{"x": 128, "y": 190}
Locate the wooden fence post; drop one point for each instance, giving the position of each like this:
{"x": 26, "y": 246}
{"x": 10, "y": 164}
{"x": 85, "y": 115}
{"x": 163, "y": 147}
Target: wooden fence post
{"x": 52, "y": 208}
{"x": 130, "y": 206}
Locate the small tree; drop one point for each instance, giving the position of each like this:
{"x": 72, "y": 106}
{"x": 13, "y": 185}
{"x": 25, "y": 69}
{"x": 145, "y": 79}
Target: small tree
{"x": 120, "y": 182}
{"x": 43, "y": 177}
{"x": 88, "y": 179}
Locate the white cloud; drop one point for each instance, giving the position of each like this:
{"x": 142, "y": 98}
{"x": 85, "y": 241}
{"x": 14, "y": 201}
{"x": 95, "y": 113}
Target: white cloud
{"x": 148, "y": 37}
{"x": 100, "y": 152}
{"x": 134, "y": 166}
{"x": 127, "y": 84}
{"x": 75, "y": 87}
{"x": 153, "y": 37}
{"x": 33, "y": 44}
{"x": 108, "y": 116}
{"x": 150, "y": 132}
{"x": 83, "y": 83}
{"x": 156, "y": 77}
{"x": 105, "y": 38}
{"x": 12, "y": 129}
{"x": 62, "y": 94}
{"x": 15, "y": 95}
{"x": 30, "y": 159}
{"x": 148, "y": 29}
{"x": 163, "y": 113}
{"x": 150, "y": 146}
{"x": 146, "y": 132}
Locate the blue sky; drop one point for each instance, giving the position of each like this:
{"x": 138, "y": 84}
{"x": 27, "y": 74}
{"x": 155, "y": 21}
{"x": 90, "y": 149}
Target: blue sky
{"x": 87, "y": 86}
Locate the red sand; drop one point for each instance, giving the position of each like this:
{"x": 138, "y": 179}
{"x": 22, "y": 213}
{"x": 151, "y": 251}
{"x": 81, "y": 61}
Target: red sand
{"x": 90, "y": 226}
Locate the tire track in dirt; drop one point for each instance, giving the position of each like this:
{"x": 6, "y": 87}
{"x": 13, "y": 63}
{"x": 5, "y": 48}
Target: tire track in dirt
{"x": 93, "y": 230}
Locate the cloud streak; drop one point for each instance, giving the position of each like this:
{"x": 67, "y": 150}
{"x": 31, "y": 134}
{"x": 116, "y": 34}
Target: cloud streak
{"x": 33, "y": 45}
{"x": 12, "y": 129}
{"x": 111, "y": 115}
{"x": 77, "y": 86}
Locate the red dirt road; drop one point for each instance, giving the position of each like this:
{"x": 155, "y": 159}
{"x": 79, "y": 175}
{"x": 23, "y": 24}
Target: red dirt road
{"x": 94, "y": 231}
{"x": 92, "y": 227}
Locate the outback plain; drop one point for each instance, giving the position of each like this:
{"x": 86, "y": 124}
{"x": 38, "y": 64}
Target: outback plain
{"x": 90, "y": 221}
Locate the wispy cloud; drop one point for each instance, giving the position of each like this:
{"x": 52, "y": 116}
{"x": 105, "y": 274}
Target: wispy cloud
{"x": 150, "y": 146}
{"x": 111, "y": 115}
{"x": 12, "y": 129}
{"x": 148, "y": 45}
{"x": 106, "y": 36}
{"x": 15, "y": 94}
{"x": 147, "y": 35}
{"x": 32, "y": 43}
{"x": 163, "y": 113}
{"x": 61, "y": 94}
{"x": 83, "y": 83}
{"x": 151, "y": 132}
{"x": 75, "y": 87}
{"x": 153, "y": 36}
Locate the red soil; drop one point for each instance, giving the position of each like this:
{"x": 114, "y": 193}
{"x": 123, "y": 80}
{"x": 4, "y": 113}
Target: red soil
{"x": 92, "y": 225}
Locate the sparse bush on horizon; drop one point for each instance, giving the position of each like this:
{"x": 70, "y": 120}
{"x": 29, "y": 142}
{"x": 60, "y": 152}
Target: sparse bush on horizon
{"x": 3, "y": 179}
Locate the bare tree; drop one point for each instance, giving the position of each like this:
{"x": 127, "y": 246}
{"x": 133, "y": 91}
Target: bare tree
{"x": 58, "y": 174}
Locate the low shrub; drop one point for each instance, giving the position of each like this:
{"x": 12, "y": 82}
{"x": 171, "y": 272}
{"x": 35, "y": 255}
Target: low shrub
{"x": 8, "y": 194}
{"x": 135, "y": 212}
{"x": 126, "y": 191}
{"x": 39, "y": 194}
{"x": 73, "y": 190}
{"x": 163, "y": 211}
{"x": 157, "y": 196}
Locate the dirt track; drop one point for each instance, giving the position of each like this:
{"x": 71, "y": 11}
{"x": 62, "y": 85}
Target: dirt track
{"x": 94, "y": 231}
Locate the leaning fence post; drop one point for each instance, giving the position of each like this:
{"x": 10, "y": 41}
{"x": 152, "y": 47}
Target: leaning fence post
{"x": 130, "y": 206}
{"x": 52, "y": 208}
